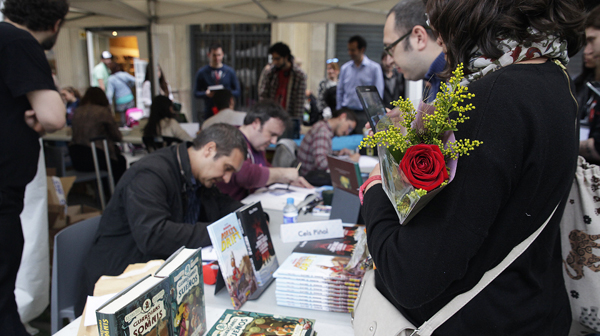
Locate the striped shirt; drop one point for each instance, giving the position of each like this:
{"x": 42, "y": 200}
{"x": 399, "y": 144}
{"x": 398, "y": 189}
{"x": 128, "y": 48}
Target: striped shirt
{"x": 315, "y": 147}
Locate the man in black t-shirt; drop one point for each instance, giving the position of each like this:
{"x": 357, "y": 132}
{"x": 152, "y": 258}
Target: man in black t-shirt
{"x": 31, "y": 105}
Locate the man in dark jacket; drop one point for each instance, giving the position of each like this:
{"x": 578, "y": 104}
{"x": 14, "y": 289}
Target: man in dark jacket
{"x": 165, "y": 201}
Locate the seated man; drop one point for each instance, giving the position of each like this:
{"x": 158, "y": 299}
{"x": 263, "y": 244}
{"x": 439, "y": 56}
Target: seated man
{"x": 224, "y": 104}
{"x": 316, "y": 145}
{"x": 264, "y": 123}
{"x": 165, "y": 201}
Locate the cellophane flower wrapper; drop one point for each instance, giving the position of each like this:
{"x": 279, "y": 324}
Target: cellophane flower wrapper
{"x": 400, "y": 192}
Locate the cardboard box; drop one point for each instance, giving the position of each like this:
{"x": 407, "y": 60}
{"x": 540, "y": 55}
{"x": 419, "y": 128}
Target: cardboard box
{"x": 58, "y": 189}
{"x": 77, "y": 213}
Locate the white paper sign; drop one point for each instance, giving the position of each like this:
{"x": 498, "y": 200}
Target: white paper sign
{"x": 311, "y": 231}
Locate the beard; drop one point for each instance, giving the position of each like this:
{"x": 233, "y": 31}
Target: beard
{"x": 49, "y": 42}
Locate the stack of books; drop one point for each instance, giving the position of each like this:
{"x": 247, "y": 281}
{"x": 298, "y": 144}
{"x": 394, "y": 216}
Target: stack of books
{"x": 315, "y": 275}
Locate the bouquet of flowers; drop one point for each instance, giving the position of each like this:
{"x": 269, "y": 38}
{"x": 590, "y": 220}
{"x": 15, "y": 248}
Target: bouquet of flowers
{"x": 418, "y": 152}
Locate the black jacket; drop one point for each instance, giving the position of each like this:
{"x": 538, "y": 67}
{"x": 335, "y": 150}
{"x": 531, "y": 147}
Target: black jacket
{"x": 144, "y": 218}
{"x": 502, "y": 192}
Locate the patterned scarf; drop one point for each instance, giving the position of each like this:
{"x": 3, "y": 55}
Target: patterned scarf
{"x": 552, "y": 47}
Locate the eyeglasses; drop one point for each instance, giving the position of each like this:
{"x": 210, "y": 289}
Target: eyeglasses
{"x": 388, "y": 49}
{"x": 332, "y": 60}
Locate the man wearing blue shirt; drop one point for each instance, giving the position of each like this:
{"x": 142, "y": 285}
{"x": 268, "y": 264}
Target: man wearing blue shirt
{"x": 410, "y": 42}
{"x": 215, "y": 73}
{"x": 359, "y": 71}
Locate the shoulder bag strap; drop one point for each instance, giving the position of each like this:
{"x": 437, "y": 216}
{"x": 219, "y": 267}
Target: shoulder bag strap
{"x": 461, "y": 300}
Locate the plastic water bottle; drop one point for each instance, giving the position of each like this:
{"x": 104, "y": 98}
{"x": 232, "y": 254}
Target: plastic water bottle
{"x": 290, "y": 212}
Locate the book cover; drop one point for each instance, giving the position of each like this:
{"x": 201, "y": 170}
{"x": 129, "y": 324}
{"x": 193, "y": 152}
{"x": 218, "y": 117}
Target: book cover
{"x": 186, "y": 298}
{"x": 234, "y": 260}
{"x": 141, "y": 309}
{"x": 258, "y": 241}
{"x": 345, "y": 174}
{"x": 337, "y": 246}
{"x": 317, "y": 266}
{"x": 243, "y": 323}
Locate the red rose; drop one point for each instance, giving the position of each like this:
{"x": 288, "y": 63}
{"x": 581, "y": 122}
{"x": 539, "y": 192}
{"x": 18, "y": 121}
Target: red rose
{"x": 424, "y": 166}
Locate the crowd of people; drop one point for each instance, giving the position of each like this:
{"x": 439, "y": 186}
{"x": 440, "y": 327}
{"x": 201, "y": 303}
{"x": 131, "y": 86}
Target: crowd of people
{"x": 500, "y": 195}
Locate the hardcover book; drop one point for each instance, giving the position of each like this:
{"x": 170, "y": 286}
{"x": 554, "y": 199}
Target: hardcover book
{"x": 258, "y": 241}
{"x": 234, "y": 259}
{"x": 243, "y": 323}
{"x": 186, "y": 300}
{"x": 141, "y": 309}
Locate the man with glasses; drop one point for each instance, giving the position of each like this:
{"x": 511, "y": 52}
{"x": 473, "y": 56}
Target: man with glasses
{"x": 359, "y": 71}
{"x": 409, "y": 41}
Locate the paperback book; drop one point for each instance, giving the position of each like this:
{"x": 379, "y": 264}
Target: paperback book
{"x": 243, "y": 323}
{"x": 315, "y": 306}
{"x": 303, "y": 265}
{"x": 337, "y": 246}
{"x": 234, "y": 259}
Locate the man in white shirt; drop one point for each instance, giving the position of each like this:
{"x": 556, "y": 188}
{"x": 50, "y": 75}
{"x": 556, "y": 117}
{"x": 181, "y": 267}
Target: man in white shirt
{"x": 225, "y": 102}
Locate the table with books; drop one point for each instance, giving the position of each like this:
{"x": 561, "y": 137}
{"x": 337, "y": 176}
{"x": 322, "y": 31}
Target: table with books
{"x": 326, "y": 322}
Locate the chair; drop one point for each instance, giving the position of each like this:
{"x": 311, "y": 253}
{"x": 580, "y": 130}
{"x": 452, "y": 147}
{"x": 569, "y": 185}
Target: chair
{"x": 153, "y": 143}
{"x": 71, "y": 246}
{"x": 285, "y": 153}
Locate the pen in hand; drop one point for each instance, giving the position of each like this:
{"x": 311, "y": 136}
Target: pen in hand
{"x": 298, "y": 169}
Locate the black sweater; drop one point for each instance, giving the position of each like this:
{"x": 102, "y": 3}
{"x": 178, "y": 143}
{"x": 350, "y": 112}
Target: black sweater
{"x": 501, "y": 193}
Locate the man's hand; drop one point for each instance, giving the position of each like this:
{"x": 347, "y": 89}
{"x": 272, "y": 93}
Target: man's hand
{"x": 345, "y": 151}
{"x": 32, "y": 121}
{"x": 209, "y": 93}
{"x": 302, "y": 183}
{"x": 355, "y": 157}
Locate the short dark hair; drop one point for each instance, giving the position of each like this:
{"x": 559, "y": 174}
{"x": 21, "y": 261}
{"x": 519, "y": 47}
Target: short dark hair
{"x": 281, "y": 49}
{"x": 266, "y": 110}
{"x": 407, "y": 15}
{"x": 214, "y": 46}
{"x": 488, "y": 20}
{"x": 94, "y": 96}
{"x": 226, "y": 137}
{"x": 350, "y": 115}
{"x": 159, "y": 110}
{"x": 361, "y": 43}
{"x": 592, "y": 20}
{"x": 36, "y": 15}
{"x": 222, "y": 99}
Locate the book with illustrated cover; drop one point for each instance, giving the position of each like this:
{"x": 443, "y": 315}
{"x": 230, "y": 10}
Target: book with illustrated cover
{"x": 243, "y": 323}
{"x": 337, "y": 246}
{"x": 186, "y": 300}
{"x": 303, "y": 265}
{"x": 345, "y": 174}
{"x": 258, "y": 241}
{"x": 350, "y": 284}
{"x": 141, "y": 309}
{"x": 316, "y": 293}
{"x": 317, "y": 298}
{"x": 234, "y": 260}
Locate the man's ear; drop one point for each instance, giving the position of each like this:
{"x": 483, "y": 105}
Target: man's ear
{"x": 256, "y": 124}
{"x": 343, "y": 116}
{"x": 56, "y": 26}
{"x": 209, "y": 150}
{"x": 422, "y": 37}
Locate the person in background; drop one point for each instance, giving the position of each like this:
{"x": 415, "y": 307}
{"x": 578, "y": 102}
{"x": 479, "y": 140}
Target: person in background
{"x": 162, "y": 121}
{"x": 163, "y": 86}
{"x": 71, "y": 97}
{"x": 393, "y": 81}
{"x": 225, "y": 103}
{"x": 165, "y": 201}
{"x": 102, "y": 70}
{"x": 30, "y": 107}
{"x": 417, "y": 55}
{"x": 333, "y": 73}
{"x": 214, "y": 73}
{"x": 590, "y": 148}
{"x": 265, "y": 122}
{"x": 526, "y": 118}
{"x": 119, "y": 87}
{"x": 359, "y": 71}
{"x": 92, "y": 119}
{"x": 316, "y": 145}
{"x": 285, "y": 82}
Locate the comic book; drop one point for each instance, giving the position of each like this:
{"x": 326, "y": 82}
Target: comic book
{"x": 186, "y": 300}
{"x": 316, "y": 292}
{"x": 315, "y": 306}
{"x": 258, "y": 241}
{"x": 337, "y": 246}
{"x": 140, "y": 309}
{"x": 316, "y": 298}
{"x": 234, "y": 260}
{"x": 303, "y": 265}
{"x": 350, "y": 284}
{"x": 243, "y": 323}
